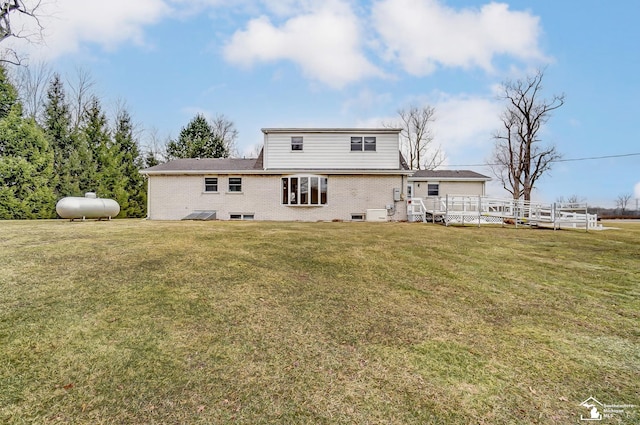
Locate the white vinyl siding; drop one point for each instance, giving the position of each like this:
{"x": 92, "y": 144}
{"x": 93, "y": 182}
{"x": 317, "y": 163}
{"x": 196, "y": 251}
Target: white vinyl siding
{"x": 420, "y": 189}
{"x": 333, "y": 151}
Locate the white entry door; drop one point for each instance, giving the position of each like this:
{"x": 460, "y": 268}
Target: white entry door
{"x": 409, "y": 190}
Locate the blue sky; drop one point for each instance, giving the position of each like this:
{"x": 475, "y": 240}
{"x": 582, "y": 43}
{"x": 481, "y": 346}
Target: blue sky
{"x": 344, "y": 63}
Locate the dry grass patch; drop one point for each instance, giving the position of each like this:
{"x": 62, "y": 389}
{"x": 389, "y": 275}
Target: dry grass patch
{"x": 159, "y": 322}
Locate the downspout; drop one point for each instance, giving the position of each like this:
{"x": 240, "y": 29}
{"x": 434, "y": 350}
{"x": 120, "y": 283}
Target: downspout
{"x": 148, "y": 197}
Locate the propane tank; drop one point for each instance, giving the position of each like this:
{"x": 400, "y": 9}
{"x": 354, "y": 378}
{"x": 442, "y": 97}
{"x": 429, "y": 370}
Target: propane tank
{"x": 90, "y": 206}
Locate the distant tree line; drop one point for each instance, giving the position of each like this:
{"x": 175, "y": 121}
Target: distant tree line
{"x": 64, "y": 148}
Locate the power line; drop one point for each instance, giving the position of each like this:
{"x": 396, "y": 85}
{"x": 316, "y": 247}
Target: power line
{"x": 555, "y": 160}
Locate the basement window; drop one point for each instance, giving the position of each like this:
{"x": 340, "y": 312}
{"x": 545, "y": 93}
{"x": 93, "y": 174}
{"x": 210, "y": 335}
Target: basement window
{"x": 357, "y": 217}
{"x": 242, "y": 216}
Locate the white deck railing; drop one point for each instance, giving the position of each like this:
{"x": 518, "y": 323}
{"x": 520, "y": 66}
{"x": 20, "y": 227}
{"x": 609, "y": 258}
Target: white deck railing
{"x": 465, "y": 209}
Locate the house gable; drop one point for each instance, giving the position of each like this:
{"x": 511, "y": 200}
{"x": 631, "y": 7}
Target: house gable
{"x": 331, "y": 149}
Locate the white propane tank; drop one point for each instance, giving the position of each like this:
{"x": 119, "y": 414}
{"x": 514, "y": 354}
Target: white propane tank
{"x": 88, "y": 207}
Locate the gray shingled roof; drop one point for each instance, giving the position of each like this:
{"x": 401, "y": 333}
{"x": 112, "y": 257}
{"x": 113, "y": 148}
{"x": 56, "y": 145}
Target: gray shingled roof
{"x": 209, "y": 164}
{"x": 449, "y": 174}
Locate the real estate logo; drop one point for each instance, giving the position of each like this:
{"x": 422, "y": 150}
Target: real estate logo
{"x": 594, "y": 407}
{"x": 597, "y": 411}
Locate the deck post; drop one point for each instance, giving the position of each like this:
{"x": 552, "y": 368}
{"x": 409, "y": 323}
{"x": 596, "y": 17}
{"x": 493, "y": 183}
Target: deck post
{"x": 586, "y": 217}
{"x": 446, "y": 210}
{"x": 479, "y": 209}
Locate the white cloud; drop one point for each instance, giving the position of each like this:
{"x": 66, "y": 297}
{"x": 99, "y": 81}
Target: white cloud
{"x": 68, "y": 24}
{"x": 464, "y": 122}
{"x": 424, "y": 34}
{"x": 325, "y": 43}
{"x": 364, "y": 101}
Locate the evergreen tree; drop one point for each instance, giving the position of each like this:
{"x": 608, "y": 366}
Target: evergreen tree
{"x": 132, "y": 198}
{"x": 57, "y": 126}
{"x": 26, "y": 169}
{"x": 150, "y": 159}
{"x": 198, "y": 140}
{"x": 100, "y": 172}
{"x": 8, "y": 94}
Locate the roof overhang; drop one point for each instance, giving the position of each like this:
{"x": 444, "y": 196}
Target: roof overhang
{"x": 332, "y": 130}
{"x": 449, "y": 179}
{"x": 276, "y": 172}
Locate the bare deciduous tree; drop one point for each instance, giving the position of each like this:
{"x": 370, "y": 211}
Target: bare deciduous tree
{"x": 226, "y": 131}
{"x": 622, "y": 201}
{"x": 519, "y": 159}
{"x": 32, "y": 82}
{"x": 81, "y": 95}
{"x": 155, "y": 148}
{"x": 10, "y": 9}
{"x": 573, "y": 199}
{"x": 416, "y": 137}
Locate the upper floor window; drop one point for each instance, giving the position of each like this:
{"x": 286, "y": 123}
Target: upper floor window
{"x": 369, "y": 143}
{"x": 304, "y": 190}
{"x": 359, "y": 143}
{"x": 296, "y": 143}
{"x": 210, "y": 184}
{"x": 235, "y": 184}
{"x": 356, "y": 144}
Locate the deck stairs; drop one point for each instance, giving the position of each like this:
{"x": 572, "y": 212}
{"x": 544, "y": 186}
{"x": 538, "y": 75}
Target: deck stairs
{"x": 478, "y": 210}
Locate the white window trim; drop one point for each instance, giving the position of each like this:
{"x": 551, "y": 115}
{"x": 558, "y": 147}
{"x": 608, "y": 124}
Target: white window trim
{"x": 435, "y": 184}
{"x": 246, "y": 216}
{"x": 363, "y": 144}
{"x": 232, "y": 192}
{"x": 204, "y": 188}
{"x": 298, "y": 176}
{"x": 301, "y": 144}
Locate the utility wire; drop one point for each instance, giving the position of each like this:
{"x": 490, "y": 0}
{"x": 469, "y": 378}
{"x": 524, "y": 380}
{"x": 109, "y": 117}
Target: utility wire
{"x": 555, "y": 160}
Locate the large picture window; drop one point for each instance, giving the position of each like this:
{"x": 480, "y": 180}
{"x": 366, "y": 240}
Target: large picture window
{"x": 304, "y": 190}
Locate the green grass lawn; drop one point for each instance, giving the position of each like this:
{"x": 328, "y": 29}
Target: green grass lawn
{"x": 146, "y": 322}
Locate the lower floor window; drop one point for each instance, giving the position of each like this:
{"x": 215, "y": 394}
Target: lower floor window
{"x": 304, "y": 190}
{"x": 433, "y": 189}
{"x": 235, "y": 184}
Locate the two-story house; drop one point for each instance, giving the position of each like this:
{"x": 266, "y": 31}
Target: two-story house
{"x": 305, "y": 174}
